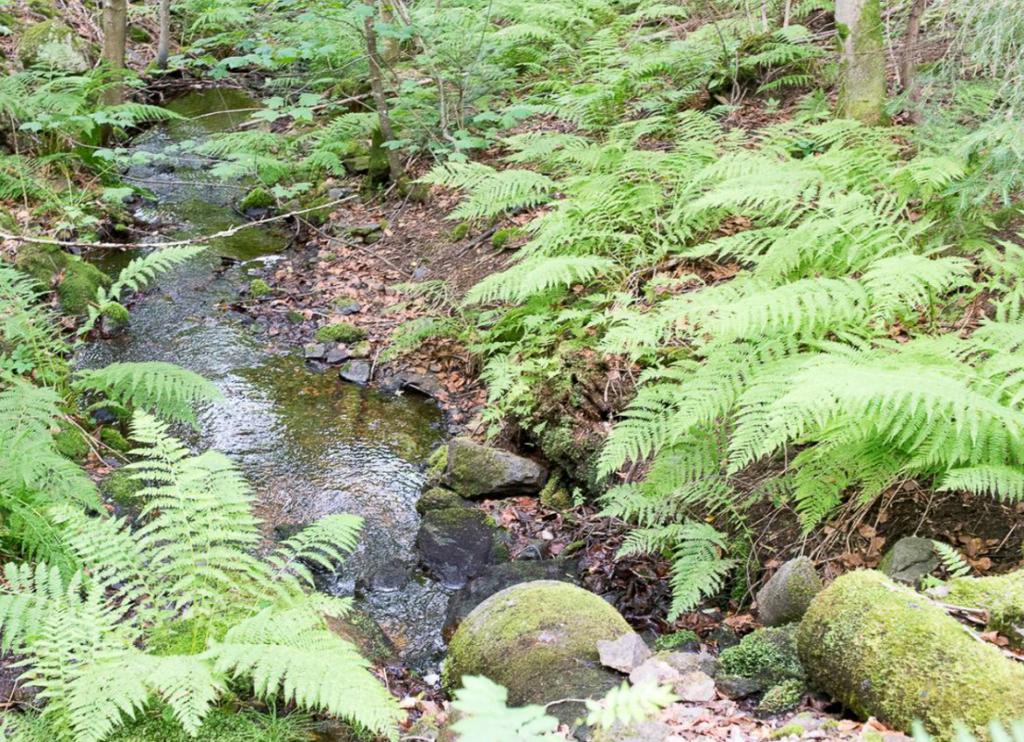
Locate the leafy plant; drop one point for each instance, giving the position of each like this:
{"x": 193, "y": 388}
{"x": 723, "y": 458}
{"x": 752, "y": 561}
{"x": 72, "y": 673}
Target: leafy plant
{"x": 179, "y": 606}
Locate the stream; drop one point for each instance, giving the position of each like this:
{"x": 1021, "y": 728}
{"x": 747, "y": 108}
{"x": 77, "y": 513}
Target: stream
{"x": 309, "y": 443}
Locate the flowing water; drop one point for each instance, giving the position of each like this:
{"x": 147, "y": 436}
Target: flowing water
{"x": 310, "y": 444}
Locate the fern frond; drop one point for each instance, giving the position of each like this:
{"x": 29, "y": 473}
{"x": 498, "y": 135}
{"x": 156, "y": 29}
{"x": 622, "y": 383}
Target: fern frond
{"x": 154, "y": 386}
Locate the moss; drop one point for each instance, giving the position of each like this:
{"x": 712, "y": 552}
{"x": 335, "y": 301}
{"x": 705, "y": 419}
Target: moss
{"x": 295, "y": 317}
{"x": 116, "y": 313}
{"x": 790, "y": 730}
{"x": 782, "y": 697}
{"x": 340, "y": 332}
{"x": 883, "y": 650}
{"x": 121, "y": 488}
{"x": 138, "y": 34}
{"x": 676, "y": 639}
{"x": 1002, "y": 596}
{"x": 257, "y": 198}
{"x": 437, "y": 464}
{"x": 72, "y": 444}
{"x": 555, "y": 496}
{"x": 768, "y": 655}
{"x": 501, "y": 238}
{"x": 439, "y": 498}
{"x": 78, "y": 280}
{"x": 112, "y": 438}
{"x": 538, "y": 639}
{"x": 259, "y": 288}
{"x": 460, "y": 231}
{"x": 360, "y": 629}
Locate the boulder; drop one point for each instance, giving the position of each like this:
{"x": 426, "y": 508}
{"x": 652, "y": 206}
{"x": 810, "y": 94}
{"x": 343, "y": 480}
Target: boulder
{"x": 496, "y": 577}
{"x": 77, "y": 281}
{"x": 785, "y": 597}
{"x": 55, "y": 46}
{"x": 883, "y": 650}
{"x": 737, "y": 686}
{"x": 768, "y": 655}
{"x": 909, "y": 560}
{"x": 695, "y": 687}
{"x": 623, "y": 654}
{"x": 685, "y": 662}
{"x": 478, "y": 471}
{"x": 1001, "y": 596}
{"x": 438, "y": 498}
{"x": 456, "y": 544}
{"x": 539, "y": 640}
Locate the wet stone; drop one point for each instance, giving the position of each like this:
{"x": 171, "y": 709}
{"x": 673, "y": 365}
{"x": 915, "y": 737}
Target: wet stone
{"x": 737, "y": 686}
{"x": 455, "y": 544}
{"x": 337, "y": 355}
{"x": 314, "y": 351}
{"x": 909, "y": 560}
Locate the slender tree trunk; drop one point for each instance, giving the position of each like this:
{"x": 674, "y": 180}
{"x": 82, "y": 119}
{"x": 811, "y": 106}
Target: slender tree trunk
{"x": 392, "y": 49}
{"x": 115, "y": 31}
{"x": 163, "y": 47}
{"x": 862, "y": 65}
{"x": 908, "y": 62}
{"x": 380, "y": 99}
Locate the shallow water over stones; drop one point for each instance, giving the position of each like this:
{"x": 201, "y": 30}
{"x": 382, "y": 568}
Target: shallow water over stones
{"x": 309, "y": 443}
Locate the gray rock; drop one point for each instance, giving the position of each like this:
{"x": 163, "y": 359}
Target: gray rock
{"x": 685, "y": 662}
{"x": 623, "y": 654}
{"x": 638, "y": 731}
{"x": 909, "y": 560}
{"x": 420, "y": 273}
{"x": 362, "y": 230}
{"x": 335, "y": 193}
{"x": 737, "y": 686}
{"x": 337, "y": 355}
{"x": 478, "y": 471}
{"x": 695, "y": 687}
{"x": 358, "y": 372}
{"x": 349, "y": 309}
{"x": 426, "y": 384}
{"x": 786, "y": 596}
{"x": 496, "y": 577}
{"x": 54, "y": 45}
{"x": 314, "y": 351}
{"x": 456, "y": 544}
{"x": 656, "y": 671}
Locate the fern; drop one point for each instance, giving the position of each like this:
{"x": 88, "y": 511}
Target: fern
{"x": 491, "y": 192}
{"x": 153, "y": 386}
{"x": 187, "y": 567}
{"x": 951, "y": 560}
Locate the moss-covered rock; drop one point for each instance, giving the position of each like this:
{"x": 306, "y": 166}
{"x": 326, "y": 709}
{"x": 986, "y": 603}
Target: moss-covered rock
{"x": 71, "y": 443}
{"x": 885, "y": 651}
{"x": 257, "y": 198}
{"x": 76, "y": 280}
{"x": 114, "y": 319}
{"x": 112, "y": 438}
{"x": 456, "y": 543}
{"x": 438, "y": 498}
{"x": 539, "y": 640}
{"x": 54, "y": 45}
{"x": 437, "y": 464}
{"x": 340, "y": 332}
{"x": 768, "y": 655}
{"x": 221, "y": 725}
{"x": 783, "y": 697}
{"x": 476, "y": 471}
{"x": 121, "y": 488}
{"x": 555, "y": 495}
{"x": 1002, "y": 596}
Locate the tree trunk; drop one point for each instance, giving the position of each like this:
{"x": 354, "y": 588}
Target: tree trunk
{"x": 392, "y": 48}
{"x": 908, "y": 62}
{"x": 163, "y": 47}
{"x": 380, "y": 99}
{"x": 862, "y": 65}
{"x": 883, "y": 650}
{"x": 115, "y": 30}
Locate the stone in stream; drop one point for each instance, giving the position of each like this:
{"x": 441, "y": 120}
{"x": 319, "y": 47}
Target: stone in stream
{"x": 497, "y": 577}
{"x": 456, "y": 544}
{"x": 785, "y": 597}
{"x": 357, "y": 372}
{"x": 623, "y": 654}
{"x": 539, "y": 640}
{"x": 438, "y": 498}
{"x": 909, "y": 560}
{"x": 474, "y": 470}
